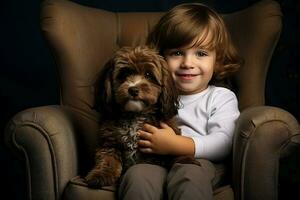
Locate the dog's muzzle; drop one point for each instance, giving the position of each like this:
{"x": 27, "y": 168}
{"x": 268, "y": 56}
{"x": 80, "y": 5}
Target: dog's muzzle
{"x": 133, "y": 91}
{"x": 134, "y": 105}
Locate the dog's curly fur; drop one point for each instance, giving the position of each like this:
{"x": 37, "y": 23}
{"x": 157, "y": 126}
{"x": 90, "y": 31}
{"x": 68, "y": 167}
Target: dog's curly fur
{"x": 135, "y": 87}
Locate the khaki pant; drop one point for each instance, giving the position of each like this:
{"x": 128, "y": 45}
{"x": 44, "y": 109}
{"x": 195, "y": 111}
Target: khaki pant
{"x": 183, "y": 181}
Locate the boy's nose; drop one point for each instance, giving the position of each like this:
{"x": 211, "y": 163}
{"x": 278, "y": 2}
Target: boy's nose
{"x": 187, "y": 62}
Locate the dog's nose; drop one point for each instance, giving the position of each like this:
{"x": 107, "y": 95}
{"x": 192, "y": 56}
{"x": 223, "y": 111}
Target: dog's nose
{"x": 133, "y": 91}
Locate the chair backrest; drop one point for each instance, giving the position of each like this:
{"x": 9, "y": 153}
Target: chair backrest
{"x": 82, "y": 39}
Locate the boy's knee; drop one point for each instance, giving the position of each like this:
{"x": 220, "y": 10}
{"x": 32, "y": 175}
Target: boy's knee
{"x": 133, "y": 172}
{"x": 143, "y": 181}
{"x": 192, "y": 173}
{"x": 140, "y": 173}
{"x": 189, "y": 181}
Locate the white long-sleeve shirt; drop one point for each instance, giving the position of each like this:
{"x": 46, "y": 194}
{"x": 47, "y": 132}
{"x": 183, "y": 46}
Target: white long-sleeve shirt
{"x": 209, "y": 119}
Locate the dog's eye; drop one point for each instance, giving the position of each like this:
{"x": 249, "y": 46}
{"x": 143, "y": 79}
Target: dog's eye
{"x": 124, "y": 73}
{"x": 150, "y": 76}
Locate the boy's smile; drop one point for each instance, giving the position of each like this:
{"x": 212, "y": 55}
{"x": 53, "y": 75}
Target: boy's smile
{"x": 185, "y": 76}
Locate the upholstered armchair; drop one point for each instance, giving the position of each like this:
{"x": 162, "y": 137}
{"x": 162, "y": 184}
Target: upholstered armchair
{"x": 56, "y": 142}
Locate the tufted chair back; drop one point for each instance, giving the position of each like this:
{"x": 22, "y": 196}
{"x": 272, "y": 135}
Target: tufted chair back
{"x": 83, "y": 39}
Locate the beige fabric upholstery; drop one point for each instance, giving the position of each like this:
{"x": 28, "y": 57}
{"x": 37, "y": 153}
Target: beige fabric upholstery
{"x": 57, "y": 142}
{"x": 84, "y": 38}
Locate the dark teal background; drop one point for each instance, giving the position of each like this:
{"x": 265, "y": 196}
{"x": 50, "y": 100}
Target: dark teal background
{"x": 28, "y": 76}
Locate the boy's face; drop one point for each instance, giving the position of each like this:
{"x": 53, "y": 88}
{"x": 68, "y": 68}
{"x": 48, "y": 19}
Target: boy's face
{"x": 192, "y": 68}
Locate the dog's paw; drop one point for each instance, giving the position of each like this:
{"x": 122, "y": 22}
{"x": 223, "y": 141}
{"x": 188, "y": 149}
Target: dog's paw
{"x": 100, "y": 181}
{"x": 94, "y": 183}
{"x": 107, "y": 170}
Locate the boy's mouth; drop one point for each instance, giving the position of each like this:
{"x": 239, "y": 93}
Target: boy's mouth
{"x": 186, "y": 76}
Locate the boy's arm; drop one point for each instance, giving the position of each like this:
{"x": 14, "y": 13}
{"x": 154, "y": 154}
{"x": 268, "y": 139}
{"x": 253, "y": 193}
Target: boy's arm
{"x": 163, "y": 140}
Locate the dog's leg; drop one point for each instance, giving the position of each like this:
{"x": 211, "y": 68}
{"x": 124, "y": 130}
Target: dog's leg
{"x": 107, "y": 169}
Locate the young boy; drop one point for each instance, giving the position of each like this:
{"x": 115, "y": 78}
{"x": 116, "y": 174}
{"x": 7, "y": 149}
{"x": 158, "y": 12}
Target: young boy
{"x": 197, "y": 47}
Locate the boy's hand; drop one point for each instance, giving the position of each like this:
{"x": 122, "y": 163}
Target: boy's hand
{"x": 157, "y": 140}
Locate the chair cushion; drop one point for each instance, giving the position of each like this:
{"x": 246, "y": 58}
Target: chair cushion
{"x": 77, "y": 189}
{"x": 224, "y": 193}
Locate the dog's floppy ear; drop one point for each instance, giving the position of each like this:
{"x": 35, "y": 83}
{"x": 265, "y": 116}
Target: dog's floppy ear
{"x": 168, "y": 99}
{"x": 103, "y": 88}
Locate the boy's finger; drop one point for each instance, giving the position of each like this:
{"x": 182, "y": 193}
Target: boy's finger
{"x": 164, "y": 125}
{"x": 146, "y": 150}
{"x": 144, "y": 143}
{"x": 149, "y": 128}
{"x": 144, "y": 135}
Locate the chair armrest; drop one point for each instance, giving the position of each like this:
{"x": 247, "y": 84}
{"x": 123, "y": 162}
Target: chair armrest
{"x": 263, "y": 136}
{"x": 44, "y": 139}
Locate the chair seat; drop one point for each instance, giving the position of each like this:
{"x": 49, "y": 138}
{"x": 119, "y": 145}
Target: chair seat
{"x": 77, "y": 189}
{"x": 224, "y": 193}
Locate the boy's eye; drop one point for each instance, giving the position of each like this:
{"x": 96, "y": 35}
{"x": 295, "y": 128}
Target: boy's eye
{"x": 201, "y": 53}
